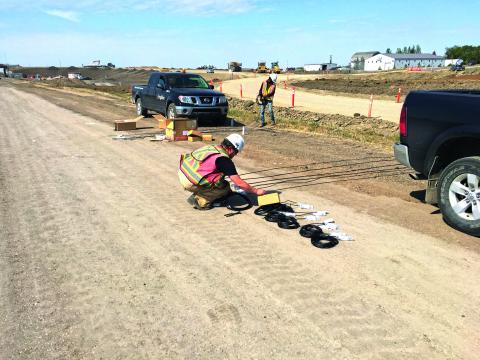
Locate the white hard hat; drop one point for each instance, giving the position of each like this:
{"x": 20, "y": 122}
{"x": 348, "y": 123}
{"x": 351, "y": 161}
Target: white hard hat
{"x": 237, "y": 141}
{"x": 273, "y": 77}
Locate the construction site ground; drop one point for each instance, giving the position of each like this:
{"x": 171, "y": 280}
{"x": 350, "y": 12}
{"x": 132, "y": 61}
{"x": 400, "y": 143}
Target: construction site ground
{"x": 101, "y": 256}
{"x": 312, "y": 101}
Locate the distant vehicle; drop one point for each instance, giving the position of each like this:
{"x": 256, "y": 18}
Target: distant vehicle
{"x": 457, "y": 67}
{"x": 276, "y": 68}
{"x": 439, "y": 139}
{"x": 84, "y": 77}
{"x": 210, "y": 70}
{"x": 180, "y": 95}
{"x": 235, "y": 66}
{"x": 262, "y": 67}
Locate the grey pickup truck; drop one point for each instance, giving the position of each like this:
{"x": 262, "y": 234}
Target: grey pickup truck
{"x": 180, "y": 95}
{"x": 440, "y": 140}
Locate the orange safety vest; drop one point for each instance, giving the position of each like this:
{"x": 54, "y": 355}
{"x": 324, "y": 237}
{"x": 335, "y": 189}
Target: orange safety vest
{"x": 199, "y": 166}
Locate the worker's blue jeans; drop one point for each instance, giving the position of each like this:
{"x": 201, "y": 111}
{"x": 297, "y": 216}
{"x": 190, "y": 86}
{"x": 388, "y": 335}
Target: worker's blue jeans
{"x": 269, "y": 105}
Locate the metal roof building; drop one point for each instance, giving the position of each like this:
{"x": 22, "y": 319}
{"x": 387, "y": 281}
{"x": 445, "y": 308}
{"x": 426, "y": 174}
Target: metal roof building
{"x": 402, "y": 61}
{"x": 357, "y": 61}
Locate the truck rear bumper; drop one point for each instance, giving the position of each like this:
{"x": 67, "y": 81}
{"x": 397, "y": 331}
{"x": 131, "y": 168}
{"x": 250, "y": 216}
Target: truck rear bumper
{"x": 401, "y": 154}
{"x": 201, "y": 111}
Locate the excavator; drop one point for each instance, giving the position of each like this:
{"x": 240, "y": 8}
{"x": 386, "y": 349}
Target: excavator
{"x": 276, "y": 68}
{"x": 262, "y": 67}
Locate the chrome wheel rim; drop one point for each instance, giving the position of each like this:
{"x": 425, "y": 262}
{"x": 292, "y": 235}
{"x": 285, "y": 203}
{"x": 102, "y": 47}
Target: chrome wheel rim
{"x": 464, "y": 196}
{"x": 139, "y": 107}
{"x": 171, "y": 113}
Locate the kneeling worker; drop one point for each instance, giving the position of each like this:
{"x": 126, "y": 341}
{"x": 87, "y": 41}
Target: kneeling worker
{"x": 203, "y": 172}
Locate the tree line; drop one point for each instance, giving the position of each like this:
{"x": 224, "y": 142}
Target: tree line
{"x": 414, "y": 49}
{"x": 468, "y": 53}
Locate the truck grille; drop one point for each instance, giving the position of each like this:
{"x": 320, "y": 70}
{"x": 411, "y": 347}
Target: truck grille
{"x": 206, "y": 100}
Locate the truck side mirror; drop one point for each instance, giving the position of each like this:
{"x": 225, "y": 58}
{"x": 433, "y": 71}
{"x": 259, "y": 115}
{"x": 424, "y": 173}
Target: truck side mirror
{"x": 211, "y": 87}
{"x": 161, "y": 86}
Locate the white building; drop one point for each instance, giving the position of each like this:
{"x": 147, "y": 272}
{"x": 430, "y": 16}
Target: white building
{"x": 319, "y": 67}
{"x": 74, "y": 75}
{"x": 449, "y": 62}
{"x": 357, "y": 61}
{"x": 403, "y": 61}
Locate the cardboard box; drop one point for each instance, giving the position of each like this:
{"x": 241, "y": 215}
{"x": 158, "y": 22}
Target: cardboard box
{"x": 124, "y": 125}
{"x": 176, "y": 135}
{"x": 182, "y": 124}
{"x": 268, "y": 199}
{"x": 195, "y": 133}
{"x": 207, "y": 137}
{"x": 163, "y": 122}
{"x": 194, "y": 138}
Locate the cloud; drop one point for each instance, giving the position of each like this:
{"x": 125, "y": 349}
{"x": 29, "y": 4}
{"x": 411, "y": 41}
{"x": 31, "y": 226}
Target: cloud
{"x": 67, "y": 10}
{"x": 66, "y": 15}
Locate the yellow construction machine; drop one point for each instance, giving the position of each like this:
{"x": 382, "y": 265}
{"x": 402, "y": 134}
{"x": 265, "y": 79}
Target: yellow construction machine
{"x": 262, "y": 67}
{"x": 276, "y": 68}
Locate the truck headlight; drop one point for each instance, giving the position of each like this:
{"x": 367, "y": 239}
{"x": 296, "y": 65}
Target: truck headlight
{"x": 185, "y": 99}
{"x": 222, "y": 100}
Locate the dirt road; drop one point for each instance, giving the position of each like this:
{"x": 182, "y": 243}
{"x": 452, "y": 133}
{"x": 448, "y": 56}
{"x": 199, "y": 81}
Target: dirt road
{"x": 101, "y": 257}
{"x": 326, "y": 104}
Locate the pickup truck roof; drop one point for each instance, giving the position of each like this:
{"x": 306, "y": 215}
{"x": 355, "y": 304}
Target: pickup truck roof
{"x": 179, "y": 80}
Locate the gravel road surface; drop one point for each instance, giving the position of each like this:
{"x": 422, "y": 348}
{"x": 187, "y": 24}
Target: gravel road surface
{"x": 102, "y": 258}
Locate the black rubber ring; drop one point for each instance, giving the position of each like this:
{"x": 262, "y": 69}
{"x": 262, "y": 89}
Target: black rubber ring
{"x": 323, "y": 241}
{"x": 274, "y": 216}
{"x": 247, "y": 206}
{"x": 308, "y": 230}
{"x": 266, "y": 209}
{"x": 289, "y": 223}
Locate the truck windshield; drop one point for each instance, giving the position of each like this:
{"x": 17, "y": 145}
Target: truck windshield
{"x": 187, "y": 81}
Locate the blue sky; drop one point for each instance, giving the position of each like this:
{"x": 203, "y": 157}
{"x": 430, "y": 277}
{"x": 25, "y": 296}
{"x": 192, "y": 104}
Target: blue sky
{"x": 190, "y": 33}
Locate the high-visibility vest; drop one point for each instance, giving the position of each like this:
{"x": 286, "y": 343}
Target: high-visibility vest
{"x": 199, "y": 166}
{"x": 268, "y": 91}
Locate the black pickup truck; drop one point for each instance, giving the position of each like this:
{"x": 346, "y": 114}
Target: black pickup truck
{"x": 180, "y": 95}
{"x": 440, "y": 140}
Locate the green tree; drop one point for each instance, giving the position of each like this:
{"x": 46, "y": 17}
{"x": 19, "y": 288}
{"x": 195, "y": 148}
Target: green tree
{"x": 389, "y": 51}
{"x": 399, "y": 51}
{"x": 418, "y": 49}
{"x": 468, "y": 53}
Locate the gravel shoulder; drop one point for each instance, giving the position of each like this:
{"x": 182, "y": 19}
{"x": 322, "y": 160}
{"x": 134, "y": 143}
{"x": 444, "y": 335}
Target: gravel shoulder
{"x": 101, "y": 257}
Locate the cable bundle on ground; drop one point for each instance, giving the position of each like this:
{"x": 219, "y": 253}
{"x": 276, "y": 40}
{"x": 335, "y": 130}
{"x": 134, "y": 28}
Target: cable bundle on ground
{"x": 318, "y": 238}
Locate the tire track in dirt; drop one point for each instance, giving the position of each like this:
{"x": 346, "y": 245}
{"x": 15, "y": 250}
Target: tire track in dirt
{"x": 302, "y": 297}
{"x": 79, "y": 280}
{"x": 324, "y": 308}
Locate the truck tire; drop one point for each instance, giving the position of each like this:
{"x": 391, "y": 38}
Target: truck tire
{"x": 141, "y": 111}
{"x": 459, "y": 195}
{"x": 171, "y": 111}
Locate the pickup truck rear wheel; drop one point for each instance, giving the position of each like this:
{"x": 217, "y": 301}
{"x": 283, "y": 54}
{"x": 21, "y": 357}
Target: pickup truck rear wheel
{"x": 171, "y": 111}
{"x": 459, "y": 195}
{"x": 141, "y": 111}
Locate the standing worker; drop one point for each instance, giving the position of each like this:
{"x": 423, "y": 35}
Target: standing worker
{"x": 266, "y": 94}
{"x": 203, "y": 172}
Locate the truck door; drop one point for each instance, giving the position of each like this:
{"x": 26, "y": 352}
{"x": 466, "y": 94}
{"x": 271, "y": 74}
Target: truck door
{"x": 160, "y": 96}
{"x": 149, "y": 93}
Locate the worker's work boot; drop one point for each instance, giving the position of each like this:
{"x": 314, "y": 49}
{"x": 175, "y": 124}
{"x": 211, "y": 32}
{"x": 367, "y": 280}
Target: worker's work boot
{"x": 202, "y": 203}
